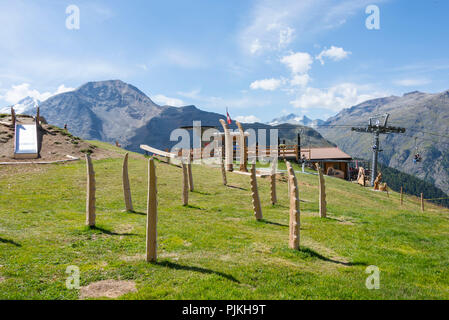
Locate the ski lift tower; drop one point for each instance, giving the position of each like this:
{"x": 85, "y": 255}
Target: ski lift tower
{"x": 377, "y": 126}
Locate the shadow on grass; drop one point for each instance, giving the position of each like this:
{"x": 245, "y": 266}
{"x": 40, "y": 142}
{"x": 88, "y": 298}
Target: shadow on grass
{"x": 7, "y": 241}
{"x": 273, "y": 223}
{"x": 177, "y": 266}
{"x": 236, "y": 187}
{"x": 204, "y": 193}
{"x": 191, "y": 206}
{"x": 137, "y": 212}
{"x": 109, "y": 232}
{"x": 315, "y": 254}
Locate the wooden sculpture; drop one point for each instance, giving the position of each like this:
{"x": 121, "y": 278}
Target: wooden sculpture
{"x": 377, "y": 181}
{"x": 243, "y": 148}
{"x": 273, "y": 181}
{"x": 361, "y": 176}
{"x": 151, "y": 240}
{"x": 255, "y": 194}
{"x": 229, "y": 152}
{"x": 126, "y": 185}
{"x": 185, "y": 184}
{"x": 294, "y": 221}
{"x": 90, "y": 198}
{"x": 322, "y": 192}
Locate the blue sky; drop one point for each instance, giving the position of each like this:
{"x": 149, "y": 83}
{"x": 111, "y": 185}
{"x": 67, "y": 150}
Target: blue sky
{"x": 261, "y": 59}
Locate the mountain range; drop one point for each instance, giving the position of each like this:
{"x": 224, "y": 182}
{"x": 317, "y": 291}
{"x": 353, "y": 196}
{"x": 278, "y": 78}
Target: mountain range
{"x": 425, "y": 117}
{"x": 296, "y": 119}
{"x": 27, "y": 105}
{"x": 116, "y": 111}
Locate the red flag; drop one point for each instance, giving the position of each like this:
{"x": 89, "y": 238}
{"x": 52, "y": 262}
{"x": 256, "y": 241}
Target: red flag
{"x": 228, "y": 117}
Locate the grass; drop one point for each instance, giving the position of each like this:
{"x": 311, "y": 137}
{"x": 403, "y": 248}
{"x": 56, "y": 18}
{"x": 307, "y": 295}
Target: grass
{"x": 214, "y": 248}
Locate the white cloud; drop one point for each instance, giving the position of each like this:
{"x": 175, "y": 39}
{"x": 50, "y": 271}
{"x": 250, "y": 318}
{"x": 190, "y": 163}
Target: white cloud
{"x": 247, "y": 119}
{"x": 270, "y": 21}
{"x": 266, "y": 84}
{"x": 18, "y": 92}
{"x": 334, "y": 53}
{"x": 255, "y": 46}
{"x": 299, "y": 62}
{"x": 300, "y": 80}
{"x": 220, "y": 103}
{"x": 167, "y": 101}
{"x": 336, "y": 98}
{"x": 412, "y": 82}
{"x": 286, "y": 37}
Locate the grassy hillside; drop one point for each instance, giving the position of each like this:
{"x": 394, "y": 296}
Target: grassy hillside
{"x": 214, "y": 249}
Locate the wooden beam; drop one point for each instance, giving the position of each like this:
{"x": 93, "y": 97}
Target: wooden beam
{"x": 185, "y": 185}
{"x": 229, "y": 150}
{"x": 90, "y": 197}
{"x": 223, "y": 171}
{"x": 151, "y": 239}
{"x": 243, "y": 148}
{"x": 126, "y": 185}
{"x": 273, "y": 181}
{"x": 322, "y": 192}
{"x": 189, "y": 171}
{"x": 255, "y": 194}
{"x": 157, "y": 151}
{"x": 295, "y": 215}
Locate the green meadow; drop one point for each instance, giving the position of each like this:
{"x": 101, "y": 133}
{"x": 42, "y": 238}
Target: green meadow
{"x": 214, "y": 248}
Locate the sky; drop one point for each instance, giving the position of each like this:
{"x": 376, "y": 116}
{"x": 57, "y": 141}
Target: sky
{"x": 260, "y": 59}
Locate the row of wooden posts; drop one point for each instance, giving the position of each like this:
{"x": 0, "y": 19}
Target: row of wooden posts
{"x": 421, "y": 200}
{"x": 187, "y": 185}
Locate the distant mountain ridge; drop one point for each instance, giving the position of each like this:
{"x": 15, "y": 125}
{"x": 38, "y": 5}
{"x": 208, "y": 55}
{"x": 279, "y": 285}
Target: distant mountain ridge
{"x": 116, "y": 111}
{"x": 296, "y": 119}
{"x": 424, "y": 115}
{"x": 27, "y": 106}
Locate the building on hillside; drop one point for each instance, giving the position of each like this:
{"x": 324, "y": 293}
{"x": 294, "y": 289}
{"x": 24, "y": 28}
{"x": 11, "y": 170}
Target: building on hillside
{"x": 333, "y": 161}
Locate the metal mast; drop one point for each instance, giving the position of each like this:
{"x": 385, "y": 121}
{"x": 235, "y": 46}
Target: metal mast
{"x": 377, "y": 126}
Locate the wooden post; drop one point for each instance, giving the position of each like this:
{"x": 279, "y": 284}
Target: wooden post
{"x": 37, "y": 117}
{"x": 322, "y": 192}
{"x": 189, "y": 170}
{"x": 229, "y": 152}
{"x": 243, "y": 148}
{"x": 402, "y": 199}
{"x": 90, "y": 198}
{"x": 151, "y": 243}
{"x": 13, "y": 117}
{"x": 422, "y": 202}
{"x": 185, "y": 184}
{"x": 126, "y": 185}
{"x": 273, "y": 181}
{"x": 255, "y": 194}
{"x": 223, "y": 171}
{"x": 295, "y": 215}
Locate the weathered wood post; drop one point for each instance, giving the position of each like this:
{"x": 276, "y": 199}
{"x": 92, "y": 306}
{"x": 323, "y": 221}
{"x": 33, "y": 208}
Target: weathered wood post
{"x": 422, "y": 202}
{"x": 295, "y": 215}
{"x": 151, "y": 241}
{"x": 223, "y": 171}
{"x": 243, "y": 148}
{"x": 189, "y": 171}
{"x": 402, "y": 199}
{"x": 13, "y": 117}
{"x": 37, "y": 117}
{"x": 322, "y": 192}
{"x": 273, "y": 181}
{"x": 126, "y": 185}
{"x": 90, "y": 198}
{"x": 255, "y": 194}
{"x": 229, "y": 152}
{"x": 185, "y": 184}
